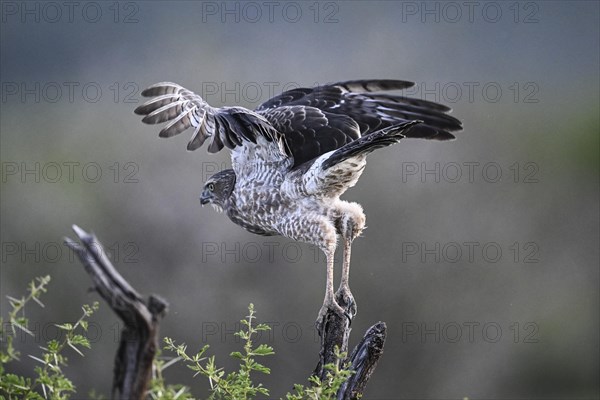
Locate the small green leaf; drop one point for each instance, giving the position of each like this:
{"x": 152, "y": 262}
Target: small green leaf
{"x": 263, "y": 350}
{"x": 263, "y": 327}
{"x": 53, "y": 346}
{"x": 65, "y": 327}
{"x": 80, "y": 340}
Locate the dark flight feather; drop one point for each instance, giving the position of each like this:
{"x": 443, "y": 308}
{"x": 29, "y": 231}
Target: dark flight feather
{"x": 310, "y": 121}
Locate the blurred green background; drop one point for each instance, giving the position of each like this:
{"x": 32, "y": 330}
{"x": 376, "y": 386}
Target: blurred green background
{"x": 481, "y": 254}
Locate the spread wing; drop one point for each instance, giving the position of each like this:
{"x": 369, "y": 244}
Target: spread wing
{"x": 331, "y": 174}
{"x": 297, "y": 126}
{"x": 310, "y": 132}
{"x": 231, "y": 127}
{"x": 352, "y": 109}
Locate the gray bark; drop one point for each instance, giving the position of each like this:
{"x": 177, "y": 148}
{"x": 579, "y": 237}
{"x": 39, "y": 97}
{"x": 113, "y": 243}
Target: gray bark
{"x": 335, "y": 332}
{"x": 139, "y": 337}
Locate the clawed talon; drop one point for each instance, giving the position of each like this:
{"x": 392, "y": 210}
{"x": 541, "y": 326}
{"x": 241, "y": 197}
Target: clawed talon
{"x": 344, "y": 296}
{"x": 328, "y": 306}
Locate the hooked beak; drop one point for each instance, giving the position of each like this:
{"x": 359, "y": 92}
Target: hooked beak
{"x": 204, "y": 198}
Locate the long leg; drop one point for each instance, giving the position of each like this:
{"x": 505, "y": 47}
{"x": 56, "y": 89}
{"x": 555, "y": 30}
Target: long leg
{"x": 343, "y": 294}
{"x": 350, "y": 231}
{"x": 329, "y": 303}
{"x": 352, "y": 224}
{"x": 346, "y": 265}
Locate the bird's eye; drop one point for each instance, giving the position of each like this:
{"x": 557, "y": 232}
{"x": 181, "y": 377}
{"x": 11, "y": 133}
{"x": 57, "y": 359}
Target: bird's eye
{"x": 211, "y": 186}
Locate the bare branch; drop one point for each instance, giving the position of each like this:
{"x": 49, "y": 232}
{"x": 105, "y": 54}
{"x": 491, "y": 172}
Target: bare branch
{"x": 139, "y": 337}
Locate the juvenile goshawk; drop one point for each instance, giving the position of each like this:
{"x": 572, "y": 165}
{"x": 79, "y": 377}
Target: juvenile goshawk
{"x": 297, "y": 153}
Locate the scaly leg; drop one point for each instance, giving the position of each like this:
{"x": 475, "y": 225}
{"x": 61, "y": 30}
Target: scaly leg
{"x": 343, "y": 294}
{"x": 329, "y": 303}
{"x": 346, "y": 266}
{"x": 350, "y": 225}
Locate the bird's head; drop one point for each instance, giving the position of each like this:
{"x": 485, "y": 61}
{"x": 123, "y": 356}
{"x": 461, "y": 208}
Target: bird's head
{"x": 218, "y": 188}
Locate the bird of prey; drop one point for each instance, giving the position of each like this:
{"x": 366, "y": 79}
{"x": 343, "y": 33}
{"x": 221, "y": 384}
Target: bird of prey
{"x": 295, "y": 154}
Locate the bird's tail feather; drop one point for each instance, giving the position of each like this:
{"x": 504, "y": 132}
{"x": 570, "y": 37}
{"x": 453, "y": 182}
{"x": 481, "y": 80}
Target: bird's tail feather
{"x": 368, "y": 143}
